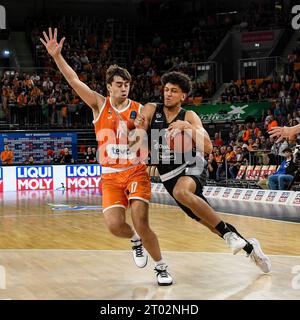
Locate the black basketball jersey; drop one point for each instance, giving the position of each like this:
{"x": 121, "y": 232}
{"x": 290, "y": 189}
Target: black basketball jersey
{"x": 161, "y": 155}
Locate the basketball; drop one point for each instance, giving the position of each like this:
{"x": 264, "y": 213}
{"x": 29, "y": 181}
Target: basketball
{"x": 182, "y": 142}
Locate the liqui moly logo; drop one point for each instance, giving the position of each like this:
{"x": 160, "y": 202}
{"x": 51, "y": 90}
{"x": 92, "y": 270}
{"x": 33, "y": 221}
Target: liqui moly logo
{"x": 1, "y": 179}
{"x": 83, "y": 176}
{"x": 34, "y": 178}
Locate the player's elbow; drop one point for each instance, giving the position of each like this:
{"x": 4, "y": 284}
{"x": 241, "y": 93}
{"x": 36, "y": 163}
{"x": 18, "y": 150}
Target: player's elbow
{"x": 74, "y": 82}
{"x": 208, "y": 147}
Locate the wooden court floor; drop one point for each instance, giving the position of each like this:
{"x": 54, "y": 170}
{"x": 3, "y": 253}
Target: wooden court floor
{"x": 69, "y": 254}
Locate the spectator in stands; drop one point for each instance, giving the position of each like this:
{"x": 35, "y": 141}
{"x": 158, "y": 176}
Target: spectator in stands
{"x": 241, "y": 130}
{"x": 231, "y": 139}
{"x": 52, "y": 108}
{"x": 278, "y": 112}
{"x": 50, "y": 156}
{"x": 245, "y": 150}
{"x": 35, "y": 78}
{"x": 230, "y": 155}
{"x": 22, "y": 107}
{"x": 271, "y": 123}
{"x": 89, "y": 156}
{"x": 48, "y": 85}
{"x": 6, "y": 155}
{"x": 282, "y": 178}
{"x": 247, "y": 133}
{"x": 240, "y": 160}
{"x": 212, "y": 167}
{"x": 221, "y": 163}
{"x": 29, "y": 160}
{"x": 66, "y": 157}
{"x": 94, "y": 151}
{"x": 218, "y": 140}
{"x": 256, "y": 130}
{"x": 265, "y": 143}
{"x": 283, "y": 145}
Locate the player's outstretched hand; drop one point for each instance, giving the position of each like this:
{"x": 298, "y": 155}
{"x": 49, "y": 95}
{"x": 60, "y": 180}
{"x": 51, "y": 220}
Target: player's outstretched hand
{"x": 51, "y": 44}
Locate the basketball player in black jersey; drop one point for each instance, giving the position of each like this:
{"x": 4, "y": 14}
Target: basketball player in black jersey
{"x": 184, "y": 177}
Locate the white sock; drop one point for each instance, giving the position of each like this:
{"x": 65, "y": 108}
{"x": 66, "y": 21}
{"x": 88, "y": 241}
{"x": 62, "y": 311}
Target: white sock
{"x": 160, "y": 264}
{"x": 135, "y": 237}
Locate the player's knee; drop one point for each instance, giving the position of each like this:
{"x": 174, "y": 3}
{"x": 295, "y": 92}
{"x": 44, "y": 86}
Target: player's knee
{"x": 115, "y": 227}
{"x": 181, "y": 194}
{"x": 141, "y": 225}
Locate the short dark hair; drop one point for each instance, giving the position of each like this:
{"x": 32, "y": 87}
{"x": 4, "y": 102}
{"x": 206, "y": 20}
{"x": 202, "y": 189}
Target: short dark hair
{"x": 182, "y": 80}
{"x": 115, "y": 70}
{"x": 287, "y": 150}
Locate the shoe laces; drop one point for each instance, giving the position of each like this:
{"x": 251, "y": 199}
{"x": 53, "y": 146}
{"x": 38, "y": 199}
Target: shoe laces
{"x": 256, "y": 258}
{"x": 163, "y": 273}
{"x": 231, "y": 237}
{"x": 138, "y": 250}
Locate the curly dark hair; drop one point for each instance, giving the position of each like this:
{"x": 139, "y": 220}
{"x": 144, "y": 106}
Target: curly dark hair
{"x": 180, "y": 79}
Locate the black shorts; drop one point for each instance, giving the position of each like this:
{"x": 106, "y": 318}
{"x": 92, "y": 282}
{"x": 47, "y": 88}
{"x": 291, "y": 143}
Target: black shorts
{"x": 199, "y": 180}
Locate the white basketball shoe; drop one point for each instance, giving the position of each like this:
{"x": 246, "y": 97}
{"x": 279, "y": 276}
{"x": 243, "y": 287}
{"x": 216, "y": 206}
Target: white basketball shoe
{"x": 258, "y": 257}
{"x": 163, "y": 276}
{"x": 140, "y": 254}
{"x": 234, "y": 242}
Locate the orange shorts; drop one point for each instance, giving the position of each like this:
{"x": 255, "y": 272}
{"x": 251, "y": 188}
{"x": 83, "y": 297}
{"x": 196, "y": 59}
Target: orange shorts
{"x": 119, "y": 188}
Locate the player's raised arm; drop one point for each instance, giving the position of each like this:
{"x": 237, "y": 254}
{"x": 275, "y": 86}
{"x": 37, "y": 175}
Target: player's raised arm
{"x": 90, "y": 97}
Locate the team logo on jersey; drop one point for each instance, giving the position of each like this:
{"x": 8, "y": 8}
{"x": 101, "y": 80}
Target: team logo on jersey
{"x": 109, "y": 113}
{"x": 83, "y": 176}
{"x": 133, "y": 114}
{"x": 158, "y": 115}
{"x": 119, "y": 151}
{"x": 34, "y": 178}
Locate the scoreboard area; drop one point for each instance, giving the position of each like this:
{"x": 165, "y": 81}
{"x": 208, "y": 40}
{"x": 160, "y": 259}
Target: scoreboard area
{"x": 37, "y": 145}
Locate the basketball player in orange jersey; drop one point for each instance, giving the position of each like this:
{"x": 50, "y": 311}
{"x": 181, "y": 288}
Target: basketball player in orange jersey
{"x": 184, "y": 177}
{"x": 123, "y": 181}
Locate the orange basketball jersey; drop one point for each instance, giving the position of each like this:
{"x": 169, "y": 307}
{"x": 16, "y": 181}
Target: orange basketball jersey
{"x": 112, "y": 128}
